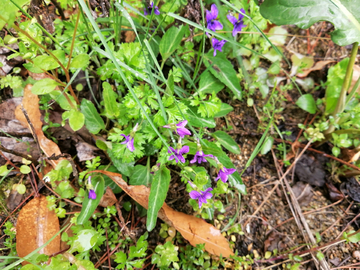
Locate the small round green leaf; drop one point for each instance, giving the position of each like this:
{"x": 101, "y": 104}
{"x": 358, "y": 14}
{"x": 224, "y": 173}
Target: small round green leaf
{"x": 20, "y": 188}
{"x": 24, "y": 169}
{"x": 80, "y": 61}
{"x": 76, "y": 120}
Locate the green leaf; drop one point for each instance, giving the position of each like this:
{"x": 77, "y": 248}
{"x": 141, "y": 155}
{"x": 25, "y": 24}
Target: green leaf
{"x": 76, "y": 120}
{"x": 341, "y": 13}
{"x": 222, "y": 69}
{"x": 60, "y": 98}
{"x": 45, "y": 62}
{"x": 89, "y": 205}
{"x": 93, "y": 121}
{"x": 158, "y": 192}
{"x": 9, "y": 11}
{"x": 354, "y": 238}
{"x": 227, "y": 141}
{"x": 171, "y": 41}
{"x": 320, "y": 255}
{"x": 80, "y": 61}
{"x": 209, "y": 84}
{"x": 20, "y": 188}
{"x": 266, "y": 147}
{"x": 197, "y": 121}
{"x": 307, "y": 103}
{"x": 84, "y": 240}
{"x": 24, "y": 169}
{"x": 44, "y": 86}
{"x": 224, "y": 110}
{"x": 335, "y": 79}
{"x": 140, "y": 176}
{"x": 111, "y": 106}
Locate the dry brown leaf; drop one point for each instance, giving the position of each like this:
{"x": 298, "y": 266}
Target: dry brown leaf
{"x": 193, "y": 229}
{"x": 36, "y": 224}
{"x": 31, "y": 105}
{"x": 108, "y": 199}
{"x": 319, "y": 65}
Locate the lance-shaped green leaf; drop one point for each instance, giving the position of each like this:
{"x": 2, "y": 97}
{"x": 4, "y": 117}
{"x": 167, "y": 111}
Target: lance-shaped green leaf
{"x": 111, "y": 106}
{"x": 93, "y": 121}
{"x": 227, "y": 141}
{"x": 89, "y": 205}
{"x": 222, "y": 69}
{"x": 171, "y": 41}
{"x": 343, "y": 14}
{"x": 158, "y": 192}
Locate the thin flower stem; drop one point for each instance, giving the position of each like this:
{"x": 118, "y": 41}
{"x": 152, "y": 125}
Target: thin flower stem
{"x": 73, "y": 39}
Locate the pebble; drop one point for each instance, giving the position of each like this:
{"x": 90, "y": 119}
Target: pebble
{"x": 356, "y": 254}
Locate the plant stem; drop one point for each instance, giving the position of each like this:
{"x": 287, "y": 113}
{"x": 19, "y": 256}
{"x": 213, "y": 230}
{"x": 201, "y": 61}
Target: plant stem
{"x": 340, "y": 106}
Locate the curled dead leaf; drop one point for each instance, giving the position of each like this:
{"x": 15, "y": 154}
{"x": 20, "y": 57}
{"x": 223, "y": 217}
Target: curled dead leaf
{"x": 31, "y": 105}
{"x": 36, "y": 224}
{"x": 193, "y": 229}
{"x": 319, "y": 65}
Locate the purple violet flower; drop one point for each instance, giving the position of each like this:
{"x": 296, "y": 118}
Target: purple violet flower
{"x": 92, "y": 194}
{"x": 217, "y": 45}
{"x": 129, "y": 141}
{"x": 177, "y": 154}
{"x": 224, "y": 173}
{"x": 148, "y": 10}
{"x": 200, "y": 157}
{"x": 211, "y": 21}
{"x": 180, "y": 128}
{"x": 238, "y": 23}
{"x": 202, "y": 196}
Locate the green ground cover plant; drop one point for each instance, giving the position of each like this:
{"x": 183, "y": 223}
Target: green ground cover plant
{"x": 155, "y": 110}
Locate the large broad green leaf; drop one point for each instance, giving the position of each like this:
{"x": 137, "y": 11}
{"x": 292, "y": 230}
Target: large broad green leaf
{"x": 158, "y": 192}
{"x": 93, "y": 121}
{"x": 343, "y": 14}
{"x": 222, "y": 69}
{"x": 171, "y": 41}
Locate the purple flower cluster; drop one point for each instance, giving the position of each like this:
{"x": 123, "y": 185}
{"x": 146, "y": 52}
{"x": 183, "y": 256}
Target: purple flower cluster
{"x": 213, "y": 25}
{"x": 149, "y": 9}
{"x": 202, "y": 196}
{"x": 129, "y": 139}
{"x": 238, "y": 23}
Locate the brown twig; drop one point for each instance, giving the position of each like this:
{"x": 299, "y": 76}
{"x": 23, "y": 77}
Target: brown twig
{"x": 2, "y": 148}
